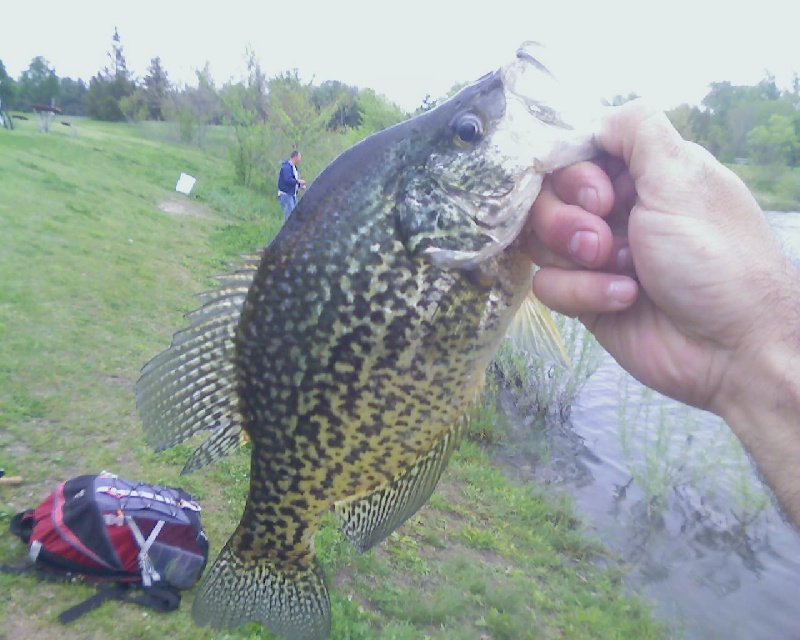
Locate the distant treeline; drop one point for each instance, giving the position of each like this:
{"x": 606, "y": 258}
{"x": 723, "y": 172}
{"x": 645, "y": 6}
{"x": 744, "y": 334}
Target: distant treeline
{"x": 754, "y": 124}
{"x": 267, "y": 117}
{"x": 746, "y": 124}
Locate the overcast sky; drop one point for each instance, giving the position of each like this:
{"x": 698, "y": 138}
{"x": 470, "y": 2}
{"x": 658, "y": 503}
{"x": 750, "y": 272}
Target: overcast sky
{"x": 667, "y": 51}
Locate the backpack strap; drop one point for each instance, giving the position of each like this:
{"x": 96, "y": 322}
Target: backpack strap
{"x": 149, "y": 573}
{"x": 22, "y": 525}
{"x": 159, "y": 597}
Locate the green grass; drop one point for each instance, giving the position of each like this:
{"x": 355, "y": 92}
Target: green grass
{"x": 95, "y": 279}
{"x": 776, "y": 188}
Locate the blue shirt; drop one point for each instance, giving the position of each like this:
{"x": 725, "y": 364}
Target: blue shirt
{"x": 288, "y": 180}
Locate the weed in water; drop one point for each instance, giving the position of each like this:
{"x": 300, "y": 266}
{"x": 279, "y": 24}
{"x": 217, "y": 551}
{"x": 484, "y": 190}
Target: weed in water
{"x": 672, "y": 449}
{"x": 542, "y": 387}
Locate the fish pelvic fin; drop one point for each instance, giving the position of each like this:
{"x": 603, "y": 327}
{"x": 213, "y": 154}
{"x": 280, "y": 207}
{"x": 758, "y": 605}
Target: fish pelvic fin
{"x": 191, "y": 386}
{"x": 291, "y": 603}
{"x": 533, "y": 331}
{"x": 367, "y": 520}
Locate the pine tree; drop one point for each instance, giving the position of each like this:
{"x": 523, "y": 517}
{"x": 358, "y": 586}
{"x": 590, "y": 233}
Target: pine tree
{"x": 111, "y": 85}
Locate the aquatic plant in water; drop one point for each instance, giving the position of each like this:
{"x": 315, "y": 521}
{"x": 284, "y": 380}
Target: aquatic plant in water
{"x": 540, "y": 386}
{"x": 672, "y": 450}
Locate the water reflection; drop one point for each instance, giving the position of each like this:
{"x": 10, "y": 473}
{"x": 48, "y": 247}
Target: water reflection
{"x": 710, "y": 550}
{"x": 712, "y": 572}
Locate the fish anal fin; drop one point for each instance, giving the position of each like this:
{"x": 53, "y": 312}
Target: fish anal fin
{"x": 367, "y": 520}
{"x": 291, "y": 603}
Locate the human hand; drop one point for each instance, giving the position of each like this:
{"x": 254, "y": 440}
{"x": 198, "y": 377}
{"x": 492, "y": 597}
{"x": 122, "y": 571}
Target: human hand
{"x": 665, "y": 256}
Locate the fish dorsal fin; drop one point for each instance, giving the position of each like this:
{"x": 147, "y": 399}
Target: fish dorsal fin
{"x": 191, "y": 386}
{"x": 223, "y": 439}
{"x": 367, "y": 520}
{"x": 533, "y": 331}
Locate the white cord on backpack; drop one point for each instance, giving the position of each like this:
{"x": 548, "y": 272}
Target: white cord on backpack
{"x": 149, "y": 573}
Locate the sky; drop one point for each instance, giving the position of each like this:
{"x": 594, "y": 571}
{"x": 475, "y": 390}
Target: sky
{"x": 667, "y": 52}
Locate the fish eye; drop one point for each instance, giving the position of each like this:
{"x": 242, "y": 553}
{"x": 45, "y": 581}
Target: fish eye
{"x": 467, "y": 128}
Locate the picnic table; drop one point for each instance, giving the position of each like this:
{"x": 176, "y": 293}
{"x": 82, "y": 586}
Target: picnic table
{"x": 45, "y": 113}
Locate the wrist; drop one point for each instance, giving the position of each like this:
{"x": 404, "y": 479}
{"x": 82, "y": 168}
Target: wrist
{"x": 760, "y": 401}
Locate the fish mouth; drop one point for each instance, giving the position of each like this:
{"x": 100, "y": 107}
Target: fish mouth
{"x": 538, "y": 133}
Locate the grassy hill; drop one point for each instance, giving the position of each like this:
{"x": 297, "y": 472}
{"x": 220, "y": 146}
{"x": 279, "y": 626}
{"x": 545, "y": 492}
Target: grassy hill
{"x": 99, "y": 259}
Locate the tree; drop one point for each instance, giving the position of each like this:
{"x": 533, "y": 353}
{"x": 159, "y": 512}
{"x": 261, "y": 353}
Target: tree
{"x": 292, "y": 112}
{"x": 196, "y": 107}
{"x": 377, "y": 112}
{"x": 682, "y": 118}
{"x": 111, "y": 85}
{"x": 73, "y": 96}
{"x": 156, "y": 89}
{"x": 38, "y": 84}
{"x": 8, "y": 89}
{"x": 341, "y": 101}
{"x": 775, "y": 142}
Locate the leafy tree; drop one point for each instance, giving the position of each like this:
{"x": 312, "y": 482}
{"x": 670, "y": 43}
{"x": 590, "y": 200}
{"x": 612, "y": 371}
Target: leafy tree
{"x": 682, "y": 118}
{"x": 73, "y": 96}
{"x": 342, "y": 100}
{"x": 196, "y": 107}
{"x": 38, "y": 84}
{"x": 134, "y": 106}
{"x": 8, "y": 89}
{"x": 377, "y": 112}
{"x": 292, "y": 112}
{"x": 245, "y": 107}
{"x": 775, "y": 142}
{"x": 156, "y": 89}
{"x": 111, "y": 85}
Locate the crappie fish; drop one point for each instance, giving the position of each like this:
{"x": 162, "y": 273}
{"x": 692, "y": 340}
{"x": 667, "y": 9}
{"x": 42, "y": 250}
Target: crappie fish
{"x": 350, "y": 351}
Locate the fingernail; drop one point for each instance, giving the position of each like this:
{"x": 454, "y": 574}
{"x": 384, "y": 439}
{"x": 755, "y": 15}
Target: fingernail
{"x": 625, "y": 259}
{"x": 622, "y": 291}
{"x": 583, "y": 246}
{"x": 588, "y": 199}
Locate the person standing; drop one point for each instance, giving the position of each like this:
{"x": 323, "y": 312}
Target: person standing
{"x": 289, "y": 182}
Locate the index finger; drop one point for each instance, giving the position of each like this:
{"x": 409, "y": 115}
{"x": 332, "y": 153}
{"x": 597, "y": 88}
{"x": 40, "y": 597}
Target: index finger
{"x": 639, "y": 134}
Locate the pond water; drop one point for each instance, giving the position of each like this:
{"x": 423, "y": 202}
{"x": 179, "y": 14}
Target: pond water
{"x": 670, "y": 490}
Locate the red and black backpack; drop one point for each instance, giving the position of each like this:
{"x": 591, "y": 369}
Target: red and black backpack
{"x": 126, "y": 534}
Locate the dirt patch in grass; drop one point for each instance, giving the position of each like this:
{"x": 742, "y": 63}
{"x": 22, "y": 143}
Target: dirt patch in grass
{"x": 182, "y": 206}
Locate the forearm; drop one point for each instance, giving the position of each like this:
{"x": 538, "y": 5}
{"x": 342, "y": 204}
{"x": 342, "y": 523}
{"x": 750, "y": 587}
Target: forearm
{"x": 762, "y": 403}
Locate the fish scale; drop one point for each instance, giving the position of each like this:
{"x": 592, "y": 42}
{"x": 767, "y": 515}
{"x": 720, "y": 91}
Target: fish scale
{"x": 352, "y": 349}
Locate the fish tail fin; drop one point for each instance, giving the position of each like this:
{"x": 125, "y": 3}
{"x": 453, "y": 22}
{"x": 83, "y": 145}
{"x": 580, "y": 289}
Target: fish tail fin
{"x": 293, "y": 603}
{"x": 534, "y": 331}
{"x": 191, "y": 386}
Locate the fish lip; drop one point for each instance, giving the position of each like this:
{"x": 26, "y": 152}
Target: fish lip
{"x": 523, "y": 53}
{"x": 538, "y": 108}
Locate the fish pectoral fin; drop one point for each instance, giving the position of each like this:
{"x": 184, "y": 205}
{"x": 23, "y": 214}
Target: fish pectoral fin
{"x": 291, "y": 603}
{"x": 534, "y": 331}
{"x": 369, "y": 519}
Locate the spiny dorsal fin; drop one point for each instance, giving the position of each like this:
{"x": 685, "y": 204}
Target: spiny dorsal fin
{"x": 223, "y": 439}
{"x": 534, "y": 331}
{"x": 367, "y": 520}
{"x": 191, "y": 386}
